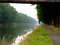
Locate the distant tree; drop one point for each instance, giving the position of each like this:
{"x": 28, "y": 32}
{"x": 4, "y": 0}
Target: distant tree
{"x": 12, "y": 24}
{"x": 23, "y": 20}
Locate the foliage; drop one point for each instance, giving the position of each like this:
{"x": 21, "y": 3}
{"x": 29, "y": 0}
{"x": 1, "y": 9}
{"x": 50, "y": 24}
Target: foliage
{"x": 7, "y": 14}
{"x": 47, "y": 14}
{"x": 13, "y": 23}
{"x": 41, "y": 12}
{"x": 38, "y": 37}
{"x": 24, "y": 22}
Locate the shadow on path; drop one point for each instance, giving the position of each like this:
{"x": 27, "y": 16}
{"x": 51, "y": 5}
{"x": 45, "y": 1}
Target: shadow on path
{"x": 55, "y": 36}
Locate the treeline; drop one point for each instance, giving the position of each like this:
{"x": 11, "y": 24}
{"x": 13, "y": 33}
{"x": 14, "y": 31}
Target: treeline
{"x": 49, "y": 13}
{"x": 13, "y": 23}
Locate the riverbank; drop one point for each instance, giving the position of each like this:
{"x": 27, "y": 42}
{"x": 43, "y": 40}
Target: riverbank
{"x": 38, "y": 37}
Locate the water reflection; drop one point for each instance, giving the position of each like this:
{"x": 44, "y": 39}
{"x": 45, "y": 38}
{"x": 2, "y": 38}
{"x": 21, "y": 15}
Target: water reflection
{"x": 23, "y": 36}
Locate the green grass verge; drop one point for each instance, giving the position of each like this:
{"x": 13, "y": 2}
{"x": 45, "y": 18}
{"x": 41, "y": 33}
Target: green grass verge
{"x": 38, "y": 37}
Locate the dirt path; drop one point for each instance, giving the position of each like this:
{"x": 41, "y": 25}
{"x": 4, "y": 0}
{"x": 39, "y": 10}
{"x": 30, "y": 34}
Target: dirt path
{"x": 55, "y": 36}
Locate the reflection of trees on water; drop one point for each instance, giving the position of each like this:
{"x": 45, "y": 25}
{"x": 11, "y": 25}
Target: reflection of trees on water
{"x": 13, "y": 23}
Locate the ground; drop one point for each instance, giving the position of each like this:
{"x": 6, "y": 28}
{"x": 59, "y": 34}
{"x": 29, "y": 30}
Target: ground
{"x": 54, "y": 33}
{"x": 38, "y": 37}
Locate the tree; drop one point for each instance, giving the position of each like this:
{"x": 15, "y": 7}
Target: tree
{"x": 12, "y": 24}
{"x": 49, "y": 13}
{"x": 24, "y": 22}
{"x": 7, "y": 14}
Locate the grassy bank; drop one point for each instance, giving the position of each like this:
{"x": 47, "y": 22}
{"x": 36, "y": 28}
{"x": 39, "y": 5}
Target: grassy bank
{"x": 38, "y": 37}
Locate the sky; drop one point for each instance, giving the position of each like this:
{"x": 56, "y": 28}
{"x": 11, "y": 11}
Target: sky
{"x": 28, "y": 9}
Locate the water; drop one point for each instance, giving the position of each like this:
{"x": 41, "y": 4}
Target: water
{"x": 21, "y": 38}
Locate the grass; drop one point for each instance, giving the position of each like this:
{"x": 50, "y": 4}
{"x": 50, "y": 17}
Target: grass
{"x": 38, "y": 37}
{"x": 53, "y": 28}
